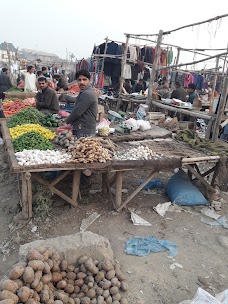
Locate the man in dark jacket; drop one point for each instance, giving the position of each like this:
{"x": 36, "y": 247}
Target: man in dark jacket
{"x": 179, "y": 92}
{"x": 83, "y": 116}
{"x": 5, "y": 82}
{"x": 46, "y": 98}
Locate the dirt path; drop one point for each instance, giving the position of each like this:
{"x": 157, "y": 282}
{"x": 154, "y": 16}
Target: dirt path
{"x": 200, "y": 252}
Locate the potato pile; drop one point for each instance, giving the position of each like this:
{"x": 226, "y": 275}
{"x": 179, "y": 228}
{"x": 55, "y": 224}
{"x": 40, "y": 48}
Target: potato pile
{"x": 88, "y": 150}
{"x": 44, "y": 278}
{"x": 65, "y": 139}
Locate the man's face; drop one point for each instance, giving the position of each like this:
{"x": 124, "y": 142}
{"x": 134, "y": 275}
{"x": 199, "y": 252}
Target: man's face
{"x": 44, "y": 72}
{"x": 42, "y": 85}
{"x": 83, "y": 82}
{"x": 189, "y": 90}
{"x": 32, "y": 70}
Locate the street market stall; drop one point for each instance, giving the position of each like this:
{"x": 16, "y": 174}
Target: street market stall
{"x": 112, "y": 171}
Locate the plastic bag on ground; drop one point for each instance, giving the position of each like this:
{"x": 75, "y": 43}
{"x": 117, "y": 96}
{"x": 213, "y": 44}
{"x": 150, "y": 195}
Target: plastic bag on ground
{"x": 143, "y": 125}
{"x": 141, "y": 113}
{"x": 203, "y": 297}
{"x": 142, "y": 246}
{"x": 131, "y": 124}
{"x": 103, "y": 123}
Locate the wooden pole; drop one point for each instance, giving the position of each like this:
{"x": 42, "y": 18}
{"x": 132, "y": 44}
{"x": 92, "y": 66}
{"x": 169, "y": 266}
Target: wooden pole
{"x": 105, "y": 51}
{"x": 221, "y": 106}
{"x": 96, "y": 70}
{"x": 176, "y": 62}
{"x": 122, "y": 77}
{"x": 154, "y": 69}
{"x": 214, "y": 86}
{"x": 119, "y": 186}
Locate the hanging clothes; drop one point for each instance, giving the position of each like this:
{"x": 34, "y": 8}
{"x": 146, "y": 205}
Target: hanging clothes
{"x": 100, "y": 81}
{"x": 146, "y": 75}
{"x": 163, "y": 57}
{"x": 200, "y": 81}
{"x": 140, "y": 65}
{"x": 108, "y": 68}
{"x": 133, "y": 53}
{"x": 107, "y": 81}
{"x": 112, "y": 48}
{"x": 180, "y": 78}
{"x": 127, "y": 71}
{"x": 134, "y": 72}
{"x": 195, "y": 77}
{"x": 188, "y": 78}
{"x": 170, "y": 56}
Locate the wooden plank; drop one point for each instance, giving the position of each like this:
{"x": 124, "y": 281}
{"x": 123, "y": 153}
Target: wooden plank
{"x": 119, "y": 185}
{"x": 200, "y": 159}
{"x": 200, "y": 178}
{"x": 136, "y": 191}
{"x": 75, "y": 186}
{"x": 183, "y": 111}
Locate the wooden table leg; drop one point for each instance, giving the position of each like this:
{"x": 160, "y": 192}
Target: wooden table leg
{"x": 26, "y": 193}
{"x": 75, "y": 186}
{"x": 140, "y": 187}
{"x": 119, "y": 185}
{"x": 104, "y": 182}
{"x": 29, "y": 193}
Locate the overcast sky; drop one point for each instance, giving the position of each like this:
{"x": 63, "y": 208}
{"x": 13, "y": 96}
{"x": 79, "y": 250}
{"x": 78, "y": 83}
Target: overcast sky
{"x": 73, "y": 26}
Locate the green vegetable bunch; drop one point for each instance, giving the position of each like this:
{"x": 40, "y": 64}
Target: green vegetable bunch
{"x": 30, "y": 141}
{"x": 25, "y": 116}
{"x": 49, "y": 121}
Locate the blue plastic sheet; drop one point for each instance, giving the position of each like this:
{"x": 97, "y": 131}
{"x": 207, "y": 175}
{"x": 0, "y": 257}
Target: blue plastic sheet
{"x": 142, "y": 246}
{"x": 153, "y": 184}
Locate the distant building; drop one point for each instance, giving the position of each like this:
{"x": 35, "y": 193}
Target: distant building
{"x": 33, "y": 55}
{"x": 5, "y": 49}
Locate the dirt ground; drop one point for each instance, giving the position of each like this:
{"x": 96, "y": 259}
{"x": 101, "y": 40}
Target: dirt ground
{"x": 201, "y": 252}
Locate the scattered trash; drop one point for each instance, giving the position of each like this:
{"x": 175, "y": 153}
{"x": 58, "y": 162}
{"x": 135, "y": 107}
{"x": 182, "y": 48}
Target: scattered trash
{"x": 210, "y": 213}
{"x": 138, "y": 221}
{"x": 94, "y": 191}
{"x": 114, "y": 191}
{"x": 88, "y": 221}
{"x": 153, "y": 184}
{"x": 203, "y": 297}
{"x": 221, "y": 221}
{"x": 162, "y": 208}
{"x": 142, "y": 246}
{"x": 1, "y": 141}
{"x": 175, "y": 265}
{"x": 216, "y": 205}
{"x": 34, "y": 229}
{"x": 175, "y": 208}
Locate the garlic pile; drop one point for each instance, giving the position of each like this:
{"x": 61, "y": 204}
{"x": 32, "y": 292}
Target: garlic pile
{"x": 139, "y": 153}
{"x": 38, "y": 157}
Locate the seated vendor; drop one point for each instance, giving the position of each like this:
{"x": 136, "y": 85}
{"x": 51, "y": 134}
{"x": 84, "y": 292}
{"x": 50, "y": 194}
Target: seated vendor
{"x": 61, "y": 82}
{"x": 191, "y": 93}
{"x": 46, "y": 98}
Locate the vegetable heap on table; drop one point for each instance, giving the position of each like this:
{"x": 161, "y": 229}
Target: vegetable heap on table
{"x": 65, "y": 139}
{"x": 29, "y": 101}
{"x": 49, "y": 120}
{"x": 19, "y": 130}
{"x": 45, "y": 278}
{"x": 31, "y": 140}
{"x": 26, "y": 116}
{"x": 14, "y": 89}
{"x": 37, "y": 157}
{"x": 14, "y": 107}
{"x": 88, "y": 150}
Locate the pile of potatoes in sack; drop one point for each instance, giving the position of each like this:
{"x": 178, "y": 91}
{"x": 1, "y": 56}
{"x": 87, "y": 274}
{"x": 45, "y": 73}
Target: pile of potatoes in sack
{"x": 45, "y": 278}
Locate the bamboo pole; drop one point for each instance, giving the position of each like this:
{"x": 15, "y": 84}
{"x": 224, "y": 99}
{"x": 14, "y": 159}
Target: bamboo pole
{"x": 214, "y": 86}
{"x": 105, "y": 51}
{"x": 221, "y": 106}
{"x": 154, "y": 69}
{"x": 123, "y": 67}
